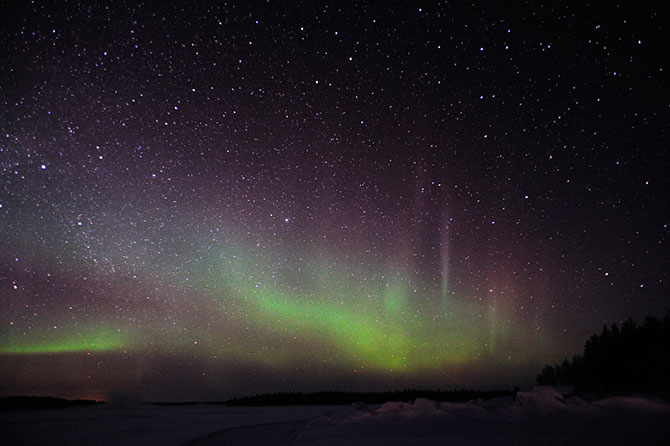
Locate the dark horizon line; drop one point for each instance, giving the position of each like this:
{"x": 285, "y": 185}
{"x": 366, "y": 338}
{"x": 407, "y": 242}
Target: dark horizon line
{"x": 274, "y": 398}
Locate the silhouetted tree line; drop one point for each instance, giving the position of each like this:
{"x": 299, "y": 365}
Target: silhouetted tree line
{"x": 8, "y": 403}
{"x": 340, "y": 398}
{"x": 620, "y": 360}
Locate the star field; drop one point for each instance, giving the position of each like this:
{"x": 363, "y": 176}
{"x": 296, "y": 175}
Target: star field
{"x": 203, "y": 201}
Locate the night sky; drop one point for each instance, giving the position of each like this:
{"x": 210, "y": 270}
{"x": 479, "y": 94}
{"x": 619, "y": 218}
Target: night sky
{"x": 200, "y": 202}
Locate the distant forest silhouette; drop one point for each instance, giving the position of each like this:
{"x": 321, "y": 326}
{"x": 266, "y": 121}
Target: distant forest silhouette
{"x": 8, "y": 403}
{"x": 622, "y": 360}
{"x": 337, "y": 398}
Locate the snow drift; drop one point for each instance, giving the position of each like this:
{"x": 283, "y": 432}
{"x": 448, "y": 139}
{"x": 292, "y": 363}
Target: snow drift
{"x": 541, "y": 416}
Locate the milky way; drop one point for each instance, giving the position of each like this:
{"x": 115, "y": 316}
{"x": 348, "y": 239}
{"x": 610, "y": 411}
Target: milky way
{"x": 199, "y": 202}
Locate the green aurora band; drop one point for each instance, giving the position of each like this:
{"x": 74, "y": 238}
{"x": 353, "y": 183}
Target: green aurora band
{"x": 365, "y": 322}
{"x": 96, "y": 340}
{"x": 258, "y": 302}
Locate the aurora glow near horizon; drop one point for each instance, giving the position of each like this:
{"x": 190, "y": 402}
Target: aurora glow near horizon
{"x": 216, "y": 201}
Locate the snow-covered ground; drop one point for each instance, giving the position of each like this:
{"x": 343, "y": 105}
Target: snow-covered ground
{"x": 541, "y": 416}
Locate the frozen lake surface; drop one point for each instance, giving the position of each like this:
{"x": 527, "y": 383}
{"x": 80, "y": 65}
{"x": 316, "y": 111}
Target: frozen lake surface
{"x": 541, "y": 416}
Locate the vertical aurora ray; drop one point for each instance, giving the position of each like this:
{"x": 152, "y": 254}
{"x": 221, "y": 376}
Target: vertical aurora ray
{"x": 375, "y": 317}
{"x": 444, "y": 262}
{"x": 236, "y": 215}
{"x": 371, "y": 319}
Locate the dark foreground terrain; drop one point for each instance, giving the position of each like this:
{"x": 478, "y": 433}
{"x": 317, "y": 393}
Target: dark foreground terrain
{"x": 541, "y": 416}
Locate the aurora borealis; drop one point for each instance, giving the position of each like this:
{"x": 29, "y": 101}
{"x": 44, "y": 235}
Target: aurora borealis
{"x": 211, "y": 200}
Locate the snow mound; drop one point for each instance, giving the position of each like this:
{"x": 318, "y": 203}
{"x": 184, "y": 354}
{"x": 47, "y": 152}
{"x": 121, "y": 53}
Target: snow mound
{"x": 393, "y": 407}
{"x": 422, "y": 407}
{"x": 465, "y": 410}
{"x": 543, "y": 402}
{"x": 539, "y": 401}
{"x": 540, "y": 416}
{"x": 623, "y": 403}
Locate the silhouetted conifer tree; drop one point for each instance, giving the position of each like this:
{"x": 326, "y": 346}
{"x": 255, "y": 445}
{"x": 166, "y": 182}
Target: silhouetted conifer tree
{"x": 630, "y": 359}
